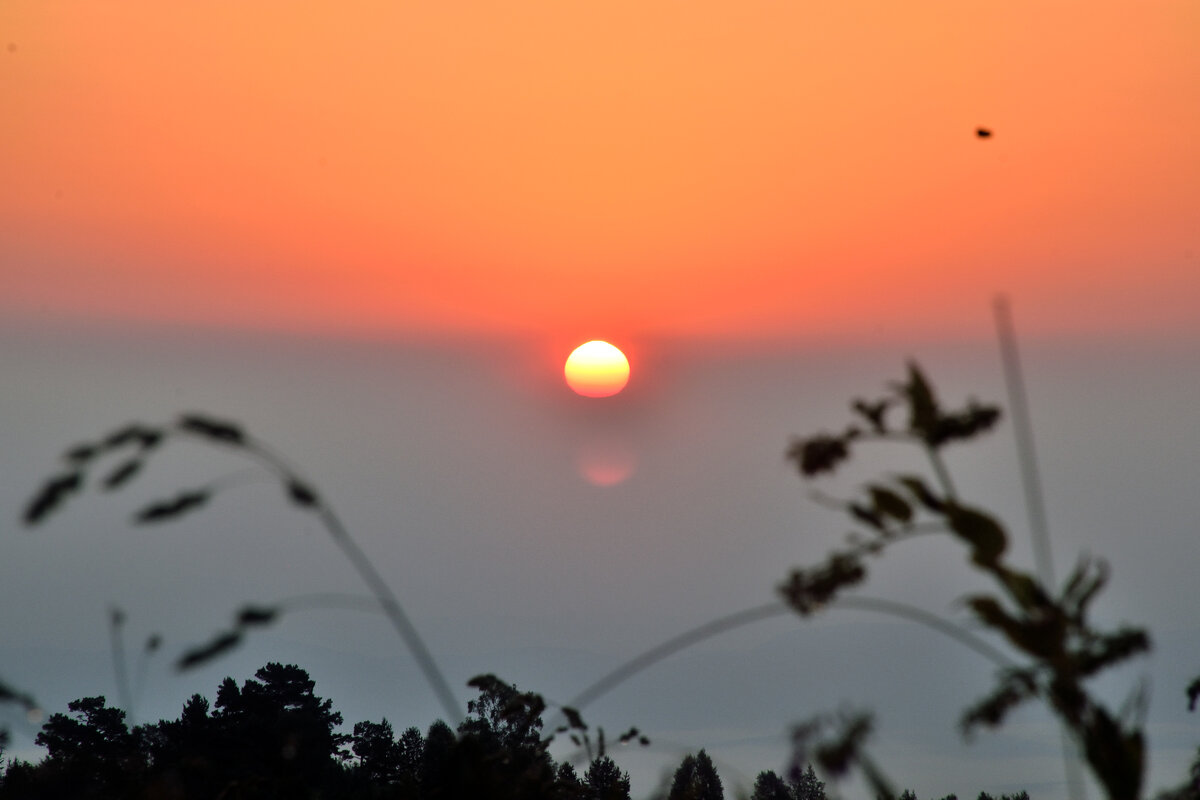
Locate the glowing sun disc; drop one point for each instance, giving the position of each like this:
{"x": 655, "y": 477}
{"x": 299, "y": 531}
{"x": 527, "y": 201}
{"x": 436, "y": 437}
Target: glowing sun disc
{"x": 596, "y": 369}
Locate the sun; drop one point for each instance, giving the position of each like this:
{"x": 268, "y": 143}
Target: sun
{"x": 596, "y": 369}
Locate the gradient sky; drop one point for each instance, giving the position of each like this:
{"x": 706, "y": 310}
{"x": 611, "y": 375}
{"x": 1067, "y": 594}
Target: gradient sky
{"x": 374, "y": 233}
{"x": 644, "y": 167}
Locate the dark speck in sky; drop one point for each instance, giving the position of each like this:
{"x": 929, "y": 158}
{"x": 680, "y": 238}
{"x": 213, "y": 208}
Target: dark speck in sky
{"x": 983, "y": 133}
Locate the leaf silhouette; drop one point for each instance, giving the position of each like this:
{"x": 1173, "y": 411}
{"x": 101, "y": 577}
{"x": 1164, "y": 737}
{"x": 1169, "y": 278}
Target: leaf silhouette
{"x": 123, "y": 436}
{"x": 807, "y": 590}
{"x": 1016, "y": 686}
{"x": 873, "y": 413}
{"x": 81, "y": 453}
{"x": 985, "y": 536}
{"x": 867, "y": 516}
{"x": 217, "y": 430}
{"x": 574, "y": 719}
{"x": 888, "y": 503}
{"x": 256, "y": 615}
{"x": 1039, "y": 638}
{"x": 1112, "y": 648}
{"x": 921, "y": 492}
{"x": 922, "y": 403}
{"x": 53, "y": 493}
{"x": 122, "y": 474}
{"x": 301, "y": 493}
{"x": 975, "y": 419}
{"x": 819, "y": 454}
{"x": 1023, "y": 588}
{"x": 199, "y": 655}
{"x": 132, "y": 434}
{"x": 169, "y": 509}
{"x": 488, "y": 684}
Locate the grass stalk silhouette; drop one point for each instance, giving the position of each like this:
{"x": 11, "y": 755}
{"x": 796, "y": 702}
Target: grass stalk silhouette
{"x": 138, "y": 442}
{"x": 1031, "y": 486}
{"x": 778, "y": 608}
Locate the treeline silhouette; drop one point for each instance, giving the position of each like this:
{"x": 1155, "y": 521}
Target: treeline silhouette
{"x": 274, "y": 738}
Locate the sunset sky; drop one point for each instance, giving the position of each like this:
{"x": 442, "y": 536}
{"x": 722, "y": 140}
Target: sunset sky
{"x": 373, "y": 231}
{"x": 648, "y": 167}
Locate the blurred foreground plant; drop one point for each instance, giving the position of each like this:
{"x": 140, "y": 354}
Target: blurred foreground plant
{"x": 1057, "y": 648}
{"x": 122, "y": 455}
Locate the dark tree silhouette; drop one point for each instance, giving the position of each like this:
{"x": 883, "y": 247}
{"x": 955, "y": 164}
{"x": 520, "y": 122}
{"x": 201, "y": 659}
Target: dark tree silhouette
{"x": 769, "y": 786}
{"x": 503, "y": 715}
{"x": 90, "y": 753}
{"x": 500, "y": 751}
{"x": 806, "y": 785}
{"x": 696, "y": 779}
{"x": 271, "y": 738}
{"x": 803, "y": 784}
{"x": 605, "y": 780}
{"x": 377, "y": 750}
{"x": 274, "y": 734}
{"x": 437, "y": 757}
{"x": 411, "y": 753}
{"x": 567, "y": 783}
{"x": 184, "y": 752}
{"x": 387, "y": 766}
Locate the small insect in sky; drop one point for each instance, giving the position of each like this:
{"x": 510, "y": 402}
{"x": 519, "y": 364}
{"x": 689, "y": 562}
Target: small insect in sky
{"x": 983, "y": 133}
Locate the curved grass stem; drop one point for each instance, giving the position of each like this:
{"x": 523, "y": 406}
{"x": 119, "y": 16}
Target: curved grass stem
{"x": 375, "y": 583}
{"x": 758, "y": 613}
{"x": 394, "y": 612}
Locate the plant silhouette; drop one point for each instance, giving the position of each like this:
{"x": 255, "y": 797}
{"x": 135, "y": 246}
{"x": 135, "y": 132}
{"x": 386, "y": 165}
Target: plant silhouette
{"x": 1047, "y": 630}
{"x": 135, "y": 444}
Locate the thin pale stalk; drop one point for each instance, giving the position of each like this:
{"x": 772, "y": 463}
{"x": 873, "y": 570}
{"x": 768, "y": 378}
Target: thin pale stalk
{"x": 943, "y": 474}
{"x": 1035, "y": 508}
{"x": 379, "y": 587}
{"x": 394, "y": 612}
{"x": 758, "y": 613}
{"x": 120, "y": 673}
{"x": 1031, "y": 481}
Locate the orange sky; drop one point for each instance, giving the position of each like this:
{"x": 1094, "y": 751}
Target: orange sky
{"x": 630, "y": 167}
